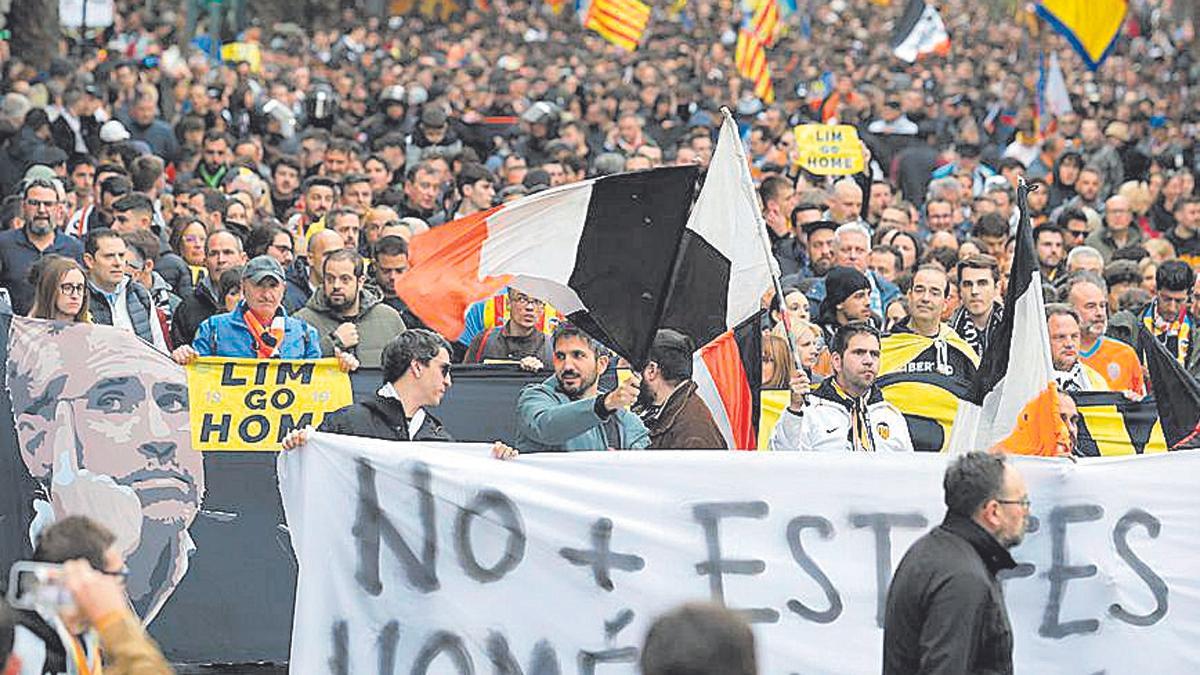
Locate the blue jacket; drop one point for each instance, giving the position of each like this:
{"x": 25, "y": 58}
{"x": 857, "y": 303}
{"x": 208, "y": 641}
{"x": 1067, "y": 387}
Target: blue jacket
{"x": 549, "y": 421}
{"x": 227, "y": 335}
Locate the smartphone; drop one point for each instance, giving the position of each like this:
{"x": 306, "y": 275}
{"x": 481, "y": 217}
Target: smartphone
{"x": 38, "y": 586}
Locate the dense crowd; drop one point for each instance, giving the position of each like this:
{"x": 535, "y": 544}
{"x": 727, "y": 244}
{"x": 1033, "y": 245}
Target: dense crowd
{"x": 263, "y": 206}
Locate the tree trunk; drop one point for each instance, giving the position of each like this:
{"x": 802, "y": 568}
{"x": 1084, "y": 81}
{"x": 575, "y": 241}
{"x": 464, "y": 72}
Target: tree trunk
{"x": 35, "y": 31}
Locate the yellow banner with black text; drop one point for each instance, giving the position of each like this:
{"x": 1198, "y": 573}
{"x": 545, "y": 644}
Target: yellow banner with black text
{"x": 251, "y": 404}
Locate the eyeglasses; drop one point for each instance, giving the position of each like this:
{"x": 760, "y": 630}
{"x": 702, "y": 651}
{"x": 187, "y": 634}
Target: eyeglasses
{"x": 1023, "y": 502}
{"x": 526, "y": 300}
{"x": 71, "y": 289}
{"x": 39, "y": 203}
{"x": 121, "y": 574}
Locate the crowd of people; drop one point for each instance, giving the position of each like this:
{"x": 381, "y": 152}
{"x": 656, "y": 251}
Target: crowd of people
{"x": 263, "y": 208}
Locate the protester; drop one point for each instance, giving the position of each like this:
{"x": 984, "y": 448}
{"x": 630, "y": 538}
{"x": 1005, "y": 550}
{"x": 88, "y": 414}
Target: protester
{"x": 1114, "y": 360}
{"x": 416, "y": 375}
{"x": 517, "y": 339}
{"x": 258, "y": 327}
{"x": 978, "y": 317}
{"x": 222, "y": 251}
{"x": 100, "y": 622}
{"x": 945, "y": 607}
{"x": 21, "y": 247}
{"x": 699, "y": 639}
{"x": 114, "y": 298}
{"x": 1072, "y": 374}
{"x": 1168, "y": 316}
{"x": 567, "y": 411}
{"x": 61, "y": 292}
{"x": 847, "y": 412}
{"x": 305, "y": 280}
{"x": 668, "y": 404}
{"x": 349, "y": 316}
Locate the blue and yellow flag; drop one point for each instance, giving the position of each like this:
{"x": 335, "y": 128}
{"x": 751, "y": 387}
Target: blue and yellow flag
{"x": 1091, "y": 26}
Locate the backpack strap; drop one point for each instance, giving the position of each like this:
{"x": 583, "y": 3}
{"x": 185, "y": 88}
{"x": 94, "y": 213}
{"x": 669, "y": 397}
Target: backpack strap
{"x": 483, "y": 343}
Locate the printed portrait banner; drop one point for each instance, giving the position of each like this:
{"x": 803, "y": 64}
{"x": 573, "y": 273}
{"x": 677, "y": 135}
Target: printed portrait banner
{"x": 435, "y": 558}
{"x": 829, "y": 149}
{"x": 251, "y": 404}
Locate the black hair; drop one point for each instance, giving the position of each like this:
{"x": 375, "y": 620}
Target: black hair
{"x": 971, "y": 481}
{"x": 390, "y": 245}
{"x": 415, "y": 344}
{"x": 1071, "y": 214}
{"x": 841, "y": 339}
{"x": 261, "y": 238}
{"x": 346, "y": 254}
{"x": 91, "y": 242}
{"x": 1175, "y": 275}
{"x": 134, "y": 201}
{"x": 567, "y": 329}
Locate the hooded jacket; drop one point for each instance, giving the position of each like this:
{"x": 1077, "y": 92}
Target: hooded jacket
{"x": 549, "y": 421}
{"x": 228, "y": 335}
{"x": 377, "y": 324}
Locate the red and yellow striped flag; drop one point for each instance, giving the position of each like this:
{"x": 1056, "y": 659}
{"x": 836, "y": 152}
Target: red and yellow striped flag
{"x": 765, "y": 22}
{"x": 621, "y": 22}
{"x": 750, "y": 57}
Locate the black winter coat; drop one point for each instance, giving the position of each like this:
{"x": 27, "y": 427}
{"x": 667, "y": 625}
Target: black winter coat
{"x": 381, "y": 417}
{"x": 945, "y": 608}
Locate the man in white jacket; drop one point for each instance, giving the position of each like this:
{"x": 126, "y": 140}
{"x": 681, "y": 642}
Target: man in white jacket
{"x": 846, "y": 412}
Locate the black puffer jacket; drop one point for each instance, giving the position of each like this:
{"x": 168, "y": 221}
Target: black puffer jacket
{"x": 945, "y": 608}
{"x": 381, "y": 417}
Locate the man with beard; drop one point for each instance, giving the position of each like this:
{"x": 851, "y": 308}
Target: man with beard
{"x": 319, "y": 195}
{"x": 978, "y": 318}
{"x": 304, "y": 276}
{"x": 348, "y": 316}
{"x": 667, "y": 402}
{"x": 21, "y": 247}
{"x": 819, "y": 236}
{"x": 215, "y": 158}
{"x": 102, "y": 424}
{"x": 518, "y": 339}
{"x": 945, "y": 607}
{"x": 1116, "y": 361}
{"x": 567, "y": 411}
{"x": 1049, "y": 242}
{"x": 847, "y": 412}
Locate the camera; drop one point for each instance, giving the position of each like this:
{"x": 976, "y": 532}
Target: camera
{"x": 38, "y": 586}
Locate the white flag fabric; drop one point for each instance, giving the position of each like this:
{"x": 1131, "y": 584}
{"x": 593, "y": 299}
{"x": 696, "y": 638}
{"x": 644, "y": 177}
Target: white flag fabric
{"x": 919, "y": 31}
{"x": 1058, "y": 101}
{"x": 418, "y": 558}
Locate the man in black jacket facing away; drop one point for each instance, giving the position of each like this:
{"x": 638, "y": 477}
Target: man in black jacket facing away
{"x": 945, "y": 608}
{"x": 416, "y": 375}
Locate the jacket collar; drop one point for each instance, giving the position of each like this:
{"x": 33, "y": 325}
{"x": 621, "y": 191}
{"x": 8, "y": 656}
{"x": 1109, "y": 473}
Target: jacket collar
{"x": 831, "y": 392}
{"x": 995, "y": 557}
{"x": 664, "y": 416}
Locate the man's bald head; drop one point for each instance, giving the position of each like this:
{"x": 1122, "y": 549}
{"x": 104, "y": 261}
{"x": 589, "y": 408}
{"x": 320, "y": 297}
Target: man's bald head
{"x": 845, "y": 204}
{"x": 319, "y": 245}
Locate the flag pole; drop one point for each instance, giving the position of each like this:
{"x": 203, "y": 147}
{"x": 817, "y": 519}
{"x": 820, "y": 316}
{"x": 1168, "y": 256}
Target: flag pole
{"x": 747, "y": 184}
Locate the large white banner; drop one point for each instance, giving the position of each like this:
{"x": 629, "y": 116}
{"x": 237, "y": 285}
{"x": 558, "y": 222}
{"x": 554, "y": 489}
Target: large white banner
{"x": 419, "y": 558}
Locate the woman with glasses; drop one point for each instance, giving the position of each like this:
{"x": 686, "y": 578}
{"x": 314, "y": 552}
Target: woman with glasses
{"x": 187, "y": 241}
{"x": 60, "y": 291}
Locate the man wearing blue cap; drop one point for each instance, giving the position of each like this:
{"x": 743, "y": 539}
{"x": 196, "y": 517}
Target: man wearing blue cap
{"x": 258, "y": 327}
